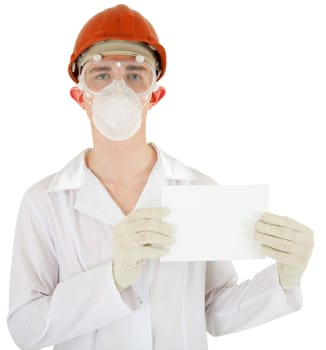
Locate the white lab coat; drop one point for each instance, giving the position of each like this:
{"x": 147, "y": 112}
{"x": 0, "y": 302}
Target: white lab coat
{"x": 62, "y": 290}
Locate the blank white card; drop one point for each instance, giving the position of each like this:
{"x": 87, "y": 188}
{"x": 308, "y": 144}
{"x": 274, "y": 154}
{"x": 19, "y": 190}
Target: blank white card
{"x": 214, "y": 222}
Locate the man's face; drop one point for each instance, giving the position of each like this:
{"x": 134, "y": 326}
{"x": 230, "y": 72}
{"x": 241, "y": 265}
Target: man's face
{"x": 107, "y": 77}
{"x": 97, "y": 76}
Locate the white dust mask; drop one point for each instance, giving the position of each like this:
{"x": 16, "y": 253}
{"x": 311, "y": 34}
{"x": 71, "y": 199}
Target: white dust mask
{"x": 117, "y": 111}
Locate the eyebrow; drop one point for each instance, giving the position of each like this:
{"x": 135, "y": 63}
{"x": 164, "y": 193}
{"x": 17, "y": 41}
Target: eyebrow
{"x": 133, "y": 67}
{"x": 100, "y": 69}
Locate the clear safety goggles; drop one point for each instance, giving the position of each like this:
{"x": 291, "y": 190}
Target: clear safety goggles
{"x": 138, "y": 76}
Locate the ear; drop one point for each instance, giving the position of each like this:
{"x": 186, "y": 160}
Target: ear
{"x": 157, "y": 96}
{"x": 78, "y": 96}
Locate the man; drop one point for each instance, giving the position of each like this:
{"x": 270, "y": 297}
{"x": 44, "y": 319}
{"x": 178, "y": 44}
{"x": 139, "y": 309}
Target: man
{"x": 86, "y": 273}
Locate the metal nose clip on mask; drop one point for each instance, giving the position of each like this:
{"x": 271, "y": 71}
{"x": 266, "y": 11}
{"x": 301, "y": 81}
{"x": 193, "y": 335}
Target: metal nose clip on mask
{"x": 117, "y": 92}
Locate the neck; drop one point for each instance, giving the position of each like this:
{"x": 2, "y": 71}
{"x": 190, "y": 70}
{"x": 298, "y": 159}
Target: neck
{"x": 121, "y": 163}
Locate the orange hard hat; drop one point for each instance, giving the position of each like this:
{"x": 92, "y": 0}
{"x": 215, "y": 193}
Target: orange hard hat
{"x": 117, "y": 23}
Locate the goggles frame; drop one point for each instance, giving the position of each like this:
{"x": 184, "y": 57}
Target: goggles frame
{"x": 98, "y": 59}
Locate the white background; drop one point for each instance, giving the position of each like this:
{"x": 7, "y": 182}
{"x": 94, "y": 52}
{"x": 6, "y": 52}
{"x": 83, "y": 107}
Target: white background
{"x": 245, "y": 104}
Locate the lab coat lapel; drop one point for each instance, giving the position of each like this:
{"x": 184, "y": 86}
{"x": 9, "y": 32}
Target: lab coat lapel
{"x": 172, "y": 169}
{"x": 167, "y": 171}
{"x": 93, "y": 200}
{"x": 91, "y": 197}
{"x": 151, "y": 194}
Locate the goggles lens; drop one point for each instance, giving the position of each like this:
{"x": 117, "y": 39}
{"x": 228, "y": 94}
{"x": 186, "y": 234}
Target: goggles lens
{"x": 139, "y": 77}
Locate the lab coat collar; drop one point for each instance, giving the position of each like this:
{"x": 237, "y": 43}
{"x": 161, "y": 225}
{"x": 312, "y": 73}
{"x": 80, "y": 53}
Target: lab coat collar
{"x": 72, "y": 176}
{"x": 92, "y": 198}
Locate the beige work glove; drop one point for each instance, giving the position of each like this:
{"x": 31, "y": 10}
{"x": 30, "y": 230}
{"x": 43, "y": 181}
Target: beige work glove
{"x": 140, "y": 235}
{"x": 288, "y": 242}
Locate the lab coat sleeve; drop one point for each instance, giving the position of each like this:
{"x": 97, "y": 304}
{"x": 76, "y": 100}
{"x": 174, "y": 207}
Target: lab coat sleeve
{"x": 232, "y": 307}
{"x": 42, "y": 311}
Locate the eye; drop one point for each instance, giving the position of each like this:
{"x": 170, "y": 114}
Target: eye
{"x": 134, "y": 77}
{"x": 102, "y": 76}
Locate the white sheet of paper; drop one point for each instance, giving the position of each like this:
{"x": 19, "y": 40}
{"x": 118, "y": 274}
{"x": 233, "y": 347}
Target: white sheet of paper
{"x": 214, "y": 222}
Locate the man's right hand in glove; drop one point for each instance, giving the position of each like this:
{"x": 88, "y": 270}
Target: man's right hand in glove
{"x": 140, "y": 235}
